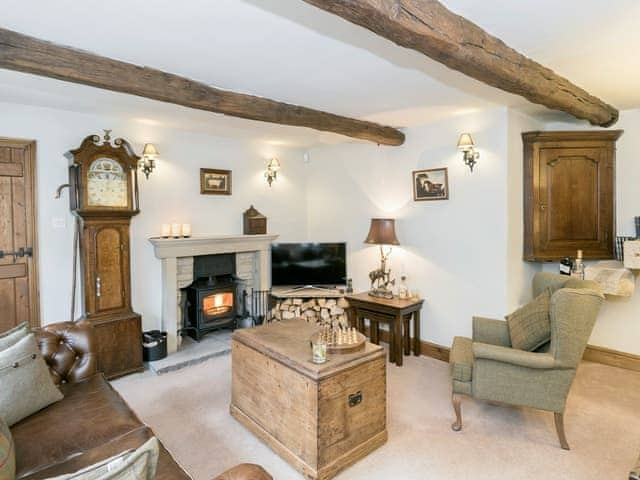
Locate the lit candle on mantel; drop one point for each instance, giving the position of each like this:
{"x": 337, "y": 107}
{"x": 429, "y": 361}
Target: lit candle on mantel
{"x": 175, "y": 230}
{"x": 166, "y": 230}
{"x": 186, "y": 230}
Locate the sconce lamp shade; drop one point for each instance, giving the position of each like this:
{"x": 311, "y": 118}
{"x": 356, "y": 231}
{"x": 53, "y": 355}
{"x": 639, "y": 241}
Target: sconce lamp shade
{"x": 382, "y": 232}
{"x": 465, "y": 142}
{"x": 274, "y": 164}
{"x": 150, "y": 150}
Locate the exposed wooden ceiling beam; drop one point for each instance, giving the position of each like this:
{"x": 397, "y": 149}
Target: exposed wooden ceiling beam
{"x": 31, "y": 55}
{"x": 430, "y": 28}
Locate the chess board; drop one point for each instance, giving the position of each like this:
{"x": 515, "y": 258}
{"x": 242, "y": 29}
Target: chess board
{"x": 340, "y": 340}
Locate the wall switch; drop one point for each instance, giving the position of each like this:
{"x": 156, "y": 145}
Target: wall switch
{"x": 59, "y": 222}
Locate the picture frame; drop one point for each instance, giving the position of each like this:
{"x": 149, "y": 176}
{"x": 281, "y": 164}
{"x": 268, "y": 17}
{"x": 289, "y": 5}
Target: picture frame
{"x": 430, "y": 184}
{"x": 214, "y": 181}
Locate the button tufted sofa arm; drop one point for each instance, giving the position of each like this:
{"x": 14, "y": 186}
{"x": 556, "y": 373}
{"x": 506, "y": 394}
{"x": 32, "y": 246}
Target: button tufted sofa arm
{"x": 69, "y": 350}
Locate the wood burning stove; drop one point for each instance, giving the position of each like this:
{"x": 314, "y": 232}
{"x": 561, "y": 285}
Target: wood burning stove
{"x": 211, "y": 299}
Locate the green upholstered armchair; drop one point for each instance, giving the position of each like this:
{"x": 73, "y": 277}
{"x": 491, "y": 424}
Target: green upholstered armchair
{"x": 486, "y": 367}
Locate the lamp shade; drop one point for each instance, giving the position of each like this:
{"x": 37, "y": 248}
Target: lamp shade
{"x": 465, "y": 141}
{"x": 382, "y": 232}
{"x": 274, "y": 164}
{"x": 150, "y": 150}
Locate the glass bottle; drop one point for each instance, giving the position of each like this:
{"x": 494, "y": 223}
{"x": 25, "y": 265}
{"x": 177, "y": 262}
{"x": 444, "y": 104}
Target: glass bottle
{"x": 577, "y": 269}
{"x": 403, "y": 290}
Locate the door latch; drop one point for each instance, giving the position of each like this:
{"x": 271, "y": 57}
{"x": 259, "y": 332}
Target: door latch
{"x": 21, "y": 252}
{"x": 355, "y": 398}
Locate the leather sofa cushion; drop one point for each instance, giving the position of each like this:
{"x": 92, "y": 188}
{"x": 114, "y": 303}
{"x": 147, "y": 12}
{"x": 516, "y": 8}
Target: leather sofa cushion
{"x": 91, "y": 415}
{"x": 167, "y": 469}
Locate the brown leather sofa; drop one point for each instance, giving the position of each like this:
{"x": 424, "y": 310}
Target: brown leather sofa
{"x": 92, "y": 422}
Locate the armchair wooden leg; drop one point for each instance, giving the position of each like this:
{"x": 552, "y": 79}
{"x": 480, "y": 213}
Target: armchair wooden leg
{"x": 457, "y": 425}
{"x": 559, "y": 419}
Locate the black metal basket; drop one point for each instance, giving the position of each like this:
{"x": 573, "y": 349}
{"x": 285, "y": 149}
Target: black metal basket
{"x": 154, "y": 345}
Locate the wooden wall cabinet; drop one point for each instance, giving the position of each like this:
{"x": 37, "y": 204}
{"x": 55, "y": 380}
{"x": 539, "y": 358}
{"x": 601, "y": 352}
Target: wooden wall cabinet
{"x": 569, "y": 194}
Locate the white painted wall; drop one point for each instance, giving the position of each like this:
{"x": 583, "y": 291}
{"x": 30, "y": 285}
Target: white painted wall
{"x": 172, "y": 193}
{"x": 519, "y": 272}
{"x": 618, "y": 325}
{"x": 464, "y": 255}
{"x": 452, "y": 251}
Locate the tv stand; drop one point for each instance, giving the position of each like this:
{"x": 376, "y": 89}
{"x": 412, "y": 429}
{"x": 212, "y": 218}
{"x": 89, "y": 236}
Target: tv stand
{"x": 308, "y": 291}
{"x": 309, "y": 287}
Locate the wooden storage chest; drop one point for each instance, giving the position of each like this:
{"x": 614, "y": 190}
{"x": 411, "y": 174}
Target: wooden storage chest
{"x": 319, "y": 418}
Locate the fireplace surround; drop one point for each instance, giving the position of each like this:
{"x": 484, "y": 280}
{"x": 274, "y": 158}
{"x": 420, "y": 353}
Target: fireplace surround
{"x": 253, "y": 265}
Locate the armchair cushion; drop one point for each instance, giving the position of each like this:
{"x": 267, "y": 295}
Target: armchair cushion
{"x": 530, "y": 325}
{"x": 461, "y": 359}
{"x": 488, "y": 330}
{"x": 513, "y": 356}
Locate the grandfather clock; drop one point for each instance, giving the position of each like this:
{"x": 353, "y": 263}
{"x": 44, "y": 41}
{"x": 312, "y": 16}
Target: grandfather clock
{"x": 104, "y": 196}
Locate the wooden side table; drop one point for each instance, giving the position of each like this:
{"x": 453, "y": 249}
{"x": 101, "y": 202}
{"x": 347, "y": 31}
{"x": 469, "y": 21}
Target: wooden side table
{"x": 394, "y": 311}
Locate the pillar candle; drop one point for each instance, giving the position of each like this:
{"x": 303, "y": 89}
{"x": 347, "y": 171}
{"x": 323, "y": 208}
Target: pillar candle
{"x": 166, "y": 230}
{"x": 175, "y": 230}
{"x": 186, "y": 229}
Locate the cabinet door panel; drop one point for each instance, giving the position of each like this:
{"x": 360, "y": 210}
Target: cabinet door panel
{"x": 109, "y": 268}
{"x": 570, "y": 184}
{"x": 574, "y": 211}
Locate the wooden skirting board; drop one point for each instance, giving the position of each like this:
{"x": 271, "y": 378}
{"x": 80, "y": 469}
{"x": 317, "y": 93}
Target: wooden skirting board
{"x": 605, "y": 356}
{"x": 613, "y": 358}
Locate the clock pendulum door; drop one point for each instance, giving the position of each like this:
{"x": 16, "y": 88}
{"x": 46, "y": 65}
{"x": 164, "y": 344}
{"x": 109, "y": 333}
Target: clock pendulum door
{"x": 104, "y": 197}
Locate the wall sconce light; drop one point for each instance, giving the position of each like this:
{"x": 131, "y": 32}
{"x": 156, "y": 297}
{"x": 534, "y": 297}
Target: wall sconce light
{"x": 272, "y": 170}
{"x": 466, "y": 146}
{"x": 148, "y": 161}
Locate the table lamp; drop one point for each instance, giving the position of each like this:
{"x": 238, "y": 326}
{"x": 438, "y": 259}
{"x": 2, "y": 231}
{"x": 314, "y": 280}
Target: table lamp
{"x": 382, "y": 232}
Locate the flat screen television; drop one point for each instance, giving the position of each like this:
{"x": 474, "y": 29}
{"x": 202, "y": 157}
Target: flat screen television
{"x": 308, "y": 264}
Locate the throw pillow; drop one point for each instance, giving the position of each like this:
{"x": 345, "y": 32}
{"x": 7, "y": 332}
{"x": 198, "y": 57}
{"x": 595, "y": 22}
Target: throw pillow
{"x": 27, "y": 385}
{"x": 139, "y": 464}
{"x": 10, "y": 337}
{"x": 530, "y": 325}
{"x": 7, "y": 453}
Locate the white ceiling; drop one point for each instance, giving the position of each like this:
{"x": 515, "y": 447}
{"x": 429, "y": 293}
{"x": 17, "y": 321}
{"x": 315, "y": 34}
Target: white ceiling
{"x": 290, "y": 51}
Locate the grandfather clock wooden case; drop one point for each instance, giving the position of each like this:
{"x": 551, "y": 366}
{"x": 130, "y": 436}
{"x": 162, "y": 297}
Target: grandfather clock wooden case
{"x": 104, "y": 197}
{"x": 569, "y": 194}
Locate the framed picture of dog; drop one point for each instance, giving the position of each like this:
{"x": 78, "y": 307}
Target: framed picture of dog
{"x": 430, "y": 184}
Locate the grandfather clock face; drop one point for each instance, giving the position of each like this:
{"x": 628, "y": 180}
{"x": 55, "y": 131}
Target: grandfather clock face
{"x": 107, "y": 184}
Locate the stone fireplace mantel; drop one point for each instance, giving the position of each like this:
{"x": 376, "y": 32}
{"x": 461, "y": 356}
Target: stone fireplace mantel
{"x": 169, "y": 250}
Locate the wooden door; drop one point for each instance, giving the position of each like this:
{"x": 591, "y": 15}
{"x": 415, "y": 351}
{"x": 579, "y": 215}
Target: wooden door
{"x": 106, "y": 266}
{"x": 19, "y": 299}
{"x": 574, "y": 200}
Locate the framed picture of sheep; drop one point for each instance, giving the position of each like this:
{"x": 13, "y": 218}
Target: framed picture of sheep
{"x": 215, "y": 182}
{"x": 431, "y": 184}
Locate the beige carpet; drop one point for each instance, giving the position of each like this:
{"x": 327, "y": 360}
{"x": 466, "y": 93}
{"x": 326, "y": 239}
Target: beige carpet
{"x": 188, "y": 410}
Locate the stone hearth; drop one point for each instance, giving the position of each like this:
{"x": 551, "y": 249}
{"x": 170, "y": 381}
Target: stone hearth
{"x": 253, "y": 266}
